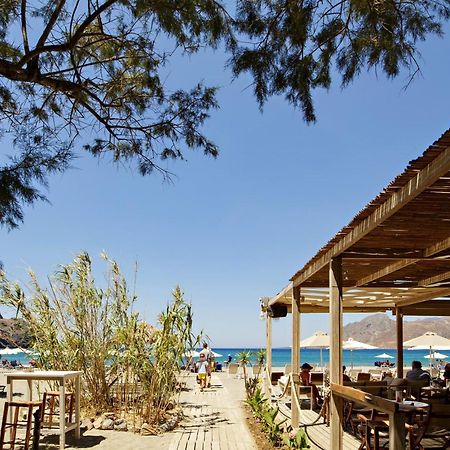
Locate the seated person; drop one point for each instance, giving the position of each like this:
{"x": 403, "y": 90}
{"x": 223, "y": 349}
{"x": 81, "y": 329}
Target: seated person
{"x": 447, "y": 372}
{"x": 417, "y": 373}
{"x": 305, "y": 379}
{"x": 345, "y": 377}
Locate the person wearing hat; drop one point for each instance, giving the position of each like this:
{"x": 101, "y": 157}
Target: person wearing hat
{"x": 305, "y": 379}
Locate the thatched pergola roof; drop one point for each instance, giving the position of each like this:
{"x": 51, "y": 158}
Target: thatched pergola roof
{"x": 396, "y": 251}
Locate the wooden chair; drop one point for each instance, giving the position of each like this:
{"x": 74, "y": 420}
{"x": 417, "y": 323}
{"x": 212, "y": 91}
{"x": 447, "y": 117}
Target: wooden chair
{"x": 363, "y": 376}
{"x": 372, "y": 425}
{"x": 437, "y": 428}
{"x": 49, "y": 402}
{"x": 16, "y": 423}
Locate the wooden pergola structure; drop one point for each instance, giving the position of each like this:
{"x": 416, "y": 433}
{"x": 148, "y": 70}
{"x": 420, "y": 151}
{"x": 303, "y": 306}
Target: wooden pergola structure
{"x": 394, "y": 255}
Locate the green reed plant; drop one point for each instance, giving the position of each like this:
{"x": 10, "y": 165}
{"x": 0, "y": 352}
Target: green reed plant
{"x": 76, "y": 325}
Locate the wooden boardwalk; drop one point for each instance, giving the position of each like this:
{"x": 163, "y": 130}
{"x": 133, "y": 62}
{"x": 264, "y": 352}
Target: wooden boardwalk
{"x": 214, "y": 417}
{"x": 319, "y": 433}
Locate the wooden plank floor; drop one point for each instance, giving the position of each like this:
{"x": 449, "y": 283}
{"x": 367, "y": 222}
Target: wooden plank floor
{"x": 213, "y": 418}
{"x": 319, "y": 434}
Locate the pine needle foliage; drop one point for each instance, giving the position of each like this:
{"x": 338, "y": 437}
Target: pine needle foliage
{"x": 127, "y": 364}
{"x": 93, "y": 74}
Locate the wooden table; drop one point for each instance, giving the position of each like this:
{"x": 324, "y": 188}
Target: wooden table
{"x": 429, "y": 391}
{"x": 61, "y": 377}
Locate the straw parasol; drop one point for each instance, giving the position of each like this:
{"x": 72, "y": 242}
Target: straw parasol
{"x": 319, "y": 340}
{"x": 352, "y": 344}
{"x": 428, "y": 341}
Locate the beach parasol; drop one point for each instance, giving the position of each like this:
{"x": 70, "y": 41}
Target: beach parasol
{"x": 319, "y": 340}
{"x": 352, "y": 344}
{"x": 191, "y": 354}
{"x": 428, "y": 341}
{"x": 384, "y": 356}
{"x": 216, "y": 355}
{"x": 10, "y": 351}
{"x": 436, "y": 355}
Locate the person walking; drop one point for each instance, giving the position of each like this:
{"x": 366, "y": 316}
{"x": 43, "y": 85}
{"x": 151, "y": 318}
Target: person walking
{"x": 202, "y": 371}
{"x": 208, "y": 355}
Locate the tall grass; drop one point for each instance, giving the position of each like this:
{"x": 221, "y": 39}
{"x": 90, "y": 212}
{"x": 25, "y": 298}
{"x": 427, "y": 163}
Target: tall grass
{"x": 127, "y": 364}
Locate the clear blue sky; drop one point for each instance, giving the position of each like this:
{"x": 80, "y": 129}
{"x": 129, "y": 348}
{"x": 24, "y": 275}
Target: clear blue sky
{"x": 234, "y": 229}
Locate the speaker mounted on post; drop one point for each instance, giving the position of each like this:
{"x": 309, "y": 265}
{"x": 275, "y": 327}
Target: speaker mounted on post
{"x": 276, "y": 311}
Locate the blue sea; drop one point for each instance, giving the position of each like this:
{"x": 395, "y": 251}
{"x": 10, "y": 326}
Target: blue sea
{"x": 282, "y": 356}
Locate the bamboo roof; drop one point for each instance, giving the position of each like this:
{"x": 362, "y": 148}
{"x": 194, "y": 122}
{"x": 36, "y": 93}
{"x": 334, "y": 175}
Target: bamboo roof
{"x": 396, "y": 251}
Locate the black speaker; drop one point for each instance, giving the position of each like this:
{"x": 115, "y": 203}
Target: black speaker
{"x": 276, "y": 311}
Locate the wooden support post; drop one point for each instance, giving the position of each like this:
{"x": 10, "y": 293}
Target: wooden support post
{"x": 295, "y": 356}
{"x": 336, "y": 402}
{"x": 268, "y": 354}
{"x": 397, "y": 434}
{"x": 399, "y": 323}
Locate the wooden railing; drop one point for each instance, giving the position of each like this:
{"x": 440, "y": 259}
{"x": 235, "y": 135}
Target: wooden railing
{"x": 397, "y": 434}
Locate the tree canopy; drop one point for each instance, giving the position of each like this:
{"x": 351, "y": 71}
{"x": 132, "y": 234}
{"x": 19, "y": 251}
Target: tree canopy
{"x": 91, "y": 73}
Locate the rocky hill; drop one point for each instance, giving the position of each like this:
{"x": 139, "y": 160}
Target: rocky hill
{"x": 14, "y": 332}
{"x": 379, "y": 329}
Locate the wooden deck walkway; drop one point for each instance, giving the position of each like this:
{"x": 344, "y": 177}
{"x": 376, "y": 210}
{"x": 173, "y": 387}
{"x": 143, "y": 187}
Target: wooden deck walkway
{"x": 319, "y": 434}
{"x": 214, "y": 417}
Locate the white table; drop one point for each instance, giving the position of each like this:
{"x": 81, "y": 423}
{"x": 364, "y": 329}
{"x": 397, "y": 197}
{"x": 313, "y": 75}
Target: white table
{"x": 61, "y": 377}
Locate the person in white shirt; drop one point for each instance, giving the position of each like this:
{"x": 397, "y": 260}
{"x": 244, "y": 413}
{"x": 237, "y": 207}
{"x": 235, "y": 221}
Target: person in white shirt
{"x": 202, "y": 370}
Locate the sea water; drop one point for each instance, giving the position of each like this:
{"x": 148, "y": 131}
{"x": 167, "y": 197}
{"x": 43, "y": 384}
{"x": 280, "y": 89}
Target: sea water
{"x": 282, "y": 356}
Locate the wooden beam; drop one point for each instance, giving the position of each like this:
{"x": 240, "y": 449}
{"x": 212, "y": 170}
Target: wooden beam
{"x": 428, "y": 308}
{"x": 399, "y": 335}
{"x": 391, "y": 268}
{"x": 438, "y": 247}
{"x": 435, "y": 280}
{"x": 365, "y": 398}
{"x": 425, "y": 178}
{"x": 268, "y": 354}
{"x": 336, "y": 402}
{"x": 423, "y": 297}
{"x": 397, "y": 432}
{"x": 295, "y": 355}
{"x": 394, "y": 267}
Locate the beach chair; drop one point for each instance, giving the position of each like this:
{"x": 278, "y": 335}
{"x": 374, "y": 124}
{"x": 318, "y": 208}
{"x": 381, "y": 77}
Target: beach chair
{"x": 287, "y": 369}
{"x": 233, "y": 369}
{"x": 375, "y": 374}
{"x": 353, "y": 373}
{"x": 363, "y": 376}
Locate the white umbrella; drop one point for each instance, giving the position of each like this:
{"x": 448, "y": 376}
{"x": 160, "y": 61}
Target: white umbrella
{"x": 384, "y": 356}
{"x": 428, "y": 341}
{"x": 10, "y": 351}
{"x": 352, "y": 344}
{"x": 216, "y": 355}
{"x": 191, "y": 354}
{"x": 436, "y": 355}
{"x": 320, "y": 340}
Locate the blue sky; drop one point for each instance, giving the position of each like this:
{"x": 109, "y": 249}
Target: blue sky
{"x": 235, "y": 229}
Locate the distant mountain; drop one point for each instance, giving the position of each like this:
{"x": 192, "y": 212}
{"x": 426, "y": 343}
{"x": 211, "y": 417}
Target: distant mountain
{"x": 14, "y": 332}
{"x": 379, "y": 329}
